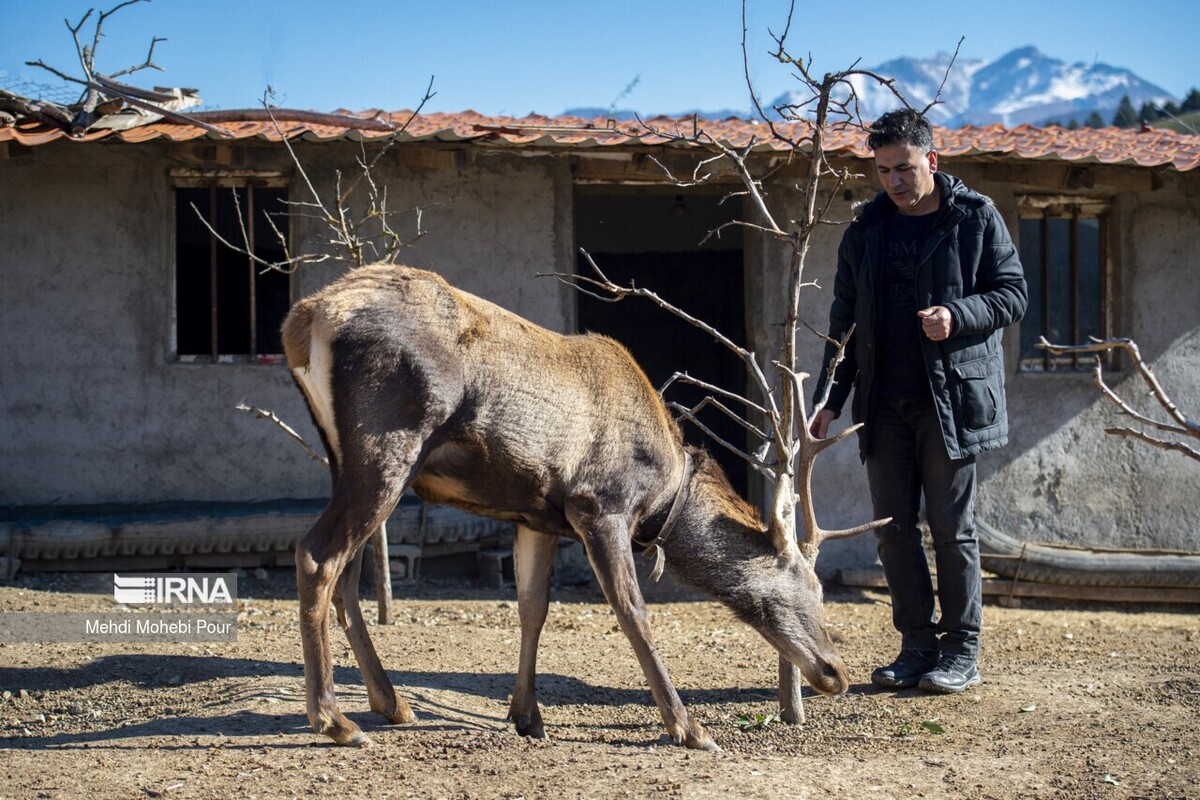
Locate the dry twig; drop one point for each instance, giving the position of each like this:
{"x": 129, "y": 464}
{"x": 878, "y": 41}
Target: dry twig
{"x": 358, "y": 239}
{"x": 1180, "y": 425}
{"x": 262, "y": 413}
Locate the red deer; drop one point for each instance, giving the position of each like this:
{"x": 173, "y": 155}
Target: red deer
{"x": 413, "y": 383}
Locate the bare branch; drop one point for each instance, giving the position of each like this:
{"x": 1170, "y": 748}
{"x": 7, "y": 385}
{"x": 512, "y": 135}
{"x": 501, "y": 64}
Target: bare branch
{"x": 1178, "y": 447}
{"x": 1131, "y": 348}
{"x": 709, "y": 400}
{"x": 937, "y": 98}
{"x": 750, "y": 459}
{"x": 1182, "y": 424}
{"x": 271, "y": 416}
{"x": 737, "y": 223}
{"x": 147, "y": 64}
{"x": 683, "y": 377}
{"x": 831, "y": 370}
{"x": 133, "y": 91}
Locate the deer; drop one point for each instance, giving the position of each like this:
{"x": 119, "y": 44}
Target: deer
{"x": 415, "y": 384}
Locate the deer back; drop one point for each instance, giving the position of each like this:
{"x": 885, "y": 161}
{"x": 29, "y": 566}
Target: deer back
{"x": 509, "y": 419}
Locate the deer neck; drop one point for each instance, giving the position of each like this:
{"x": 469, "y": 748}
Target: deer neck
{"x": 674, "y": 510}
{"x": 717, "y": 537}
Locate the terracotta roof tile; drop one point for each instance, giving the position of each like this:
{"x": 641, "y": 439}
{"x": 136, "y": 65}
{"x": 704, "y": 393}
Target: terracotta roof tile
{"x": 1152, "y": 148}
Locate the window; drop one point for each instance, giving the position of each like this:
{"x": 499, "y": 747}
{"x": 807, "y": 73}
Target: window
{"x": 228, "y": 308}
{"x": 1064, "y": 250}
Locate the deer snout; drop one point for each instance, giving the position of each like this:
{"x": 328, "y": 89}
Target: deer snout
{"x": 829, "y": 677}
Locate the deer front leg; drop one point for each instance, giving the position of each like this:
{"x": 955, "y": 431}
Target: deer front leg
{"x": 790, "y": 702}
{"x": 607, "y": 543}
{"x": 533, "y": 559}
{"x": 381, "y": 694}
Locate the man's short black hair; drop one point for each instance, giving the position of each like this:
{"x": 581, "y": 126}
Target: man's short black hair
{"x": 902, "y": 126}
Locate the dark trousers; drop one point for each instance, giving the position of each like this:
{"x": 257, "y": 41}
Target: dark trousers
{"x": 908, "y": 457}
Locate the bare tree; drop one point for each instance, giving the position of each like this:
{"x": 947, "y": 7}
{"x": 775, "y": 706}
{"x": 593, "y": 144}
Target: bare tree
{"x": 1179, "y": 426}
{"x": 105, "y": 102}
{"x": 774, "y": 413}
{"x": 358, "y": 226}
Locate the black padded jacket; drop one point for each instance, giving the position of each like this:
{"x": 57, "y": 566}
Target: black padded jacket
{"x": 968, "y": 264}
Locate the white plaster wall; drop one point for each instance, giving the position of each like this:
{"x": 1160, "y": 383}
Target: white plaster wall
{"x": 1063, "y": 479}
{"x": 92, "y": 409}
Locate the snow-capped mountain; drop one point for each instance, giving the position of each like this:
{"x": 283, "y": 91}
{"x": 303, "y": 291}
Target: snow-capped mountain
{"x": 1022, "y": 86}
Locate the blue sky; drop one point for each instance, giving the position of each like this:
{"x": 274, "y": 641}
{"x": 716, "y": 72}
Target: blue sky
{"x": 514, "y": 57}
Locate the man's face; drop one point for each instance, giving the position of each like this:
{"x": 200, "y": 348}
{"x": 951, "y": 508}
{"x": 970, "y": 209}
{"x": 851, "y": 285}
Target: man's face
{"x": 906, "y": 174}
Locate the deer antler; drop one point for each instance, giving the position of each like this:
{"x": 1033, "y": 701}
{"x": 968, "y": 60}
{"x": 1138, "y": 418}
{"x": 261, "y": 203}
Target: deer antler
{"x": 814, "y": 535}
{"x": 797, "y": 490}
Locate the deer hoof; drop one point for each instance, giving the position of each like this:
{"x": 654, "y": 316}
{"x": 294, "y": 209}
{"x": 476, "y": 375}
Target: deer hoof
{"x": 401, "y": 713}
{"x": 345, "y": 733}
{"x": 531, "y": 726}
{"x": 355, "y": 738}
{"x": 702, "y": 741}
{"x": 695, "y": 739}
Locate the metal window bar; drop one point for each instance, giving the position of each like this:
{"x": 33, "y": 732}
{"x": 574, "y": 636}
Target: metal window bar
{"x": 1074, "y": 266}
{"x": 1105, "y": 323}
{"x": 212, "y": 271}
{"x": 1045, "y": 247}
{"x": 1102, "y": 314}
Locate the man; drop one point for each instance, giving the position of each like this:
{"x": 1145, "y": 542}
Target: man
{"x": 929, "y": 276}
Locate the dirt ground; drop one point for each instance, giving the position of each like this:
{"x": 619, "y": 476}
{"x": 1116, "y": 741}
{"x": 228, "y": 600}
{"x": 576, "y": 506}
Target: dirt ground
{"x": 1077, "y": 702}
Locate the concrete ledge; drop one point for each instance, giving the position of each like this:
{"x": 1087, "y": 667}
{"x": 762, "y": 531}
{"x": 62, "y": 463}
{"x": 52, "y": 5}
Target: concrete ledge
{"x": 212, "y": 535}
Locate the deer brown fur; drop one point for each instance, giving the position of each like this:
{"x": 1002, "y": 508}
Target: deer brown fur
{"x": 414, "y": 383}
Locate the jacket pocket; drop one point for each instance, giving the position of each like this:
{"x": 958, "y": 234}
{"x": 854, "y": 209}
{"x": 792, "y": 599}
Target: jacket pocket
{"x": 981, "y": 382}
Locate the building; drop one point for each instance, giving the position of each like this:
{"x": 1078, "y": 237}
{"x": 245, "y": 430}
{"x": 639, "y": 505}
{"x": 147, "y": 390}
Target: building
{"x": 130, "y": 336}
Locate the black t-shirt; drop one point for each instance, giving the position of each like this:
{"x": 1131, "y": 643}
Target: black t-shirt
{"x": 901, "y": 366}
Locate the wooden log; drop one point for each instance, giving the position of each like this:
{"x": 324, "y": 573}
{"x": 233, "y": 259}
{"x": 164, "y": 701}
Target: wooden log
{"x": 1004, "y": 588}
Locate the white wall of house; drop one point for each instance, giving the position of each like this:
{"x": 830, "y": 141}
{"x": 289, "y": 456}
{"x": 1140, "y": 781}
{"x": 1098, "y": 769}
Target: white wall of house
{"x": 94, "y": 408}
{"x": 1062, "y": 478}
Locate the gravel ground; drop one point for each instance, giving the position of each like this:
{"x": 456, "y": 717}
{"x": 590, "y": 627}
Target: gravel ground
{"x": 1077, "y": 702}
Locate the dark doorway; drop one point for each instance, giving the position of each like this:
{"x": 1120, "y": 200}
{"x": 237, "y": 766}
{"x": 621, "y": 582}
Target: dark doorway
{"x": 652, "y": 238}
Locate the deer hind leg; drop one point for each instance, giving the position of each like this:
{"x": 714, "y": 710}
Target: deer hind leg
{"x": 380, "y": 692}
{"x": 607, "y": 543}
{"x": 361, "y": 500}
{"x": 533, "y": 559}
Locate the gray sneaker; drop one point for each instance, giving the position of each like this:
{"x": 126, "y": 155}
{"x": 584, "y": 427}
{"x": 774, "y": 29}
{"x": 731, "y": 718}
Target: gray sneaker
{"x": 951, "y": 675}
{"x": 906, "y": 670}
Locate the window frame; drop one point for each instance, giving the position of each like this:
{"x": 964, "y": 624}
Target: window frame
{"x": 215, "y": 181}
{"x": 1072, "y": 208}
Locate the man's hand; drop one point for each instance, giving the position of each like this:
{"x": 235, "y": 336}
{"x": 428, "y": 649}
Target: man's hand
{"x": 820, "y": 424}
{"x": 936, "y": 322}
